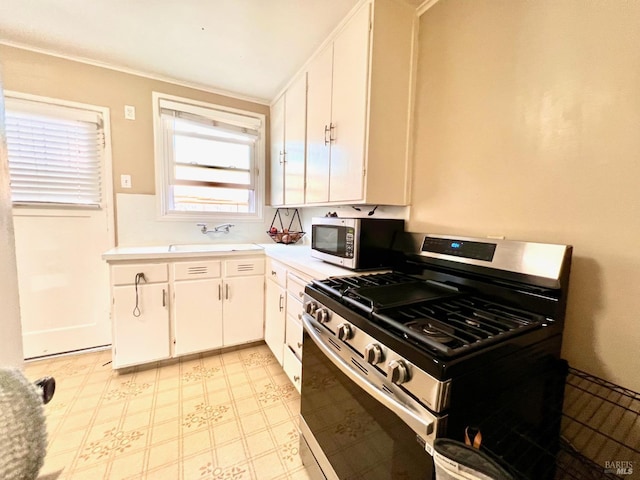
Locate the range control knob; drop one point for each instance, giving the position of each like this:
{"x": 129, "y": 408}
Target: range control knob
{"x": 398, "y": 371}
{"x": 322, "y": 315}
{"x": 310, "y": 307}
{"x": 345, "y": 332}
{"x": 373, "y": 353}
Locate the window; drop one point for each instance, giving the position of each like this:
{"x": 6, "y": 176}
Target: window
{"x": 207, "y": 159}
{"x": 55, "y": 153}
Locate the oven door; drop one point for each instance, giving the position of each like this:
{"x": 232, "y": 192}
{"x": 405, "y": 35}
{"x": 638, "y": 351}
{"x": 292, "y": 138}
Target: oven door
{"x": 352, "y": 429}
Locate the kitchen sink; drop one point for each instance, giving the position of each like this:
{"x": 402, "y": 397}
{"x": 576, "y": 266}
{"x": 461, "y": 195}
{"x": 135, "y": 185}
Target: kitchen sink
{"x": 213, "y": 247}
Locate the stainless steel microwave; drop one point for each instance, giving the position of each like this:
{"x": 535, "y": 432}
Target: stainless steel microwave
{"x": 354, "y": 243}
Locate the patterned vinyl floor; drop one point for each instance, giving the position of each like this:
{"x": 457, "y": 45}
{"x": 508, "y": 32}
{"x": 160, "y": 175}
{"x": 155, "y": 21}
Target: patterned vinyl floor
{"x": 227, "y": 415}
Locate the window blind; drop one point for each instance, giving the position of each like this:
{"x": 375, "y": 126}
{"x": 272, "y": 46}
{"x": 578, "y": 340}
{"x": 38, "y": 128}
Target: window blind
{"x": 55, "y": 153}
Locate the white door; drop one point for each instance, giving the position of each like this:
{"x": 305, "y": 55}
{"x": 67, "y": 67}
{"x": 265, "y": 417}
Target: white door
{"x": 197, "y": 310}
{"x": 243, "y": 309}
{"x": 144, "y": 336}
{"x": 318, "y": 120}
{"x": 295, "y": 136}
{"x": 349, "y": 109}
{"x": 63, "y": 281}
{"x": 274, "y": 318}
{"x": 277, "y": 151}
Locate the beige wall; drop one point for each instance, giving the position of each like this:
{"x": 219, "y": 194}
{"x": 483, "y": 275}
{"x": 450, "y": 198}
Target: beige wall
{"x": 528, "y": 126}
{"x": 132, "y": 141}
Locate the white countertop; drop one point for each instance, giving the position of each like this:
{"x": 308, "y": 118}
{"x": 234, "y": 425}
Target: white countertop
{"x": 295, "y": 256}
{"x": 299, "y": 257}
{"x": 168, "y": 252}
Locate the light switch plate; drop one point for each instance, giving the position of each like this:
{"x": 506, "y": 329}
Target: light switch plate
{"x": 129, "y": 112}
{"x": 125, "y": 181}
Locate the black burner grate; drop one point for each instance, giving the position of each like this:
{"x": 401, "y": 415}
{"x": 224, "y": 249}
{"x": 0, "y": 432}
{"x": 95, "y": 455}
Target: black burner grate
{"x": 458, "y": 325}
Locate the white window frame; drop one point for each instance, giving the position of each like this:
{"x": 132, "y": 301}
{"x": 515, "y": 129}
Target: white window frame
{"x": 107, "y": 166}
{"x": 163, "y": 173}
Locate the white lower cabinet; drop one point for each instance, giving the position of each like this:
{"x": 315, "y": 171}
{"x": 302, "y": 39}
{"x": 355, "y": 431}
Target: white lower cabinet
{"x": 293, "y": 368}
{"x": 243, "y": 310}
{"x": 169, "y": 309}
{"x": 274, "y": 326}
{"x": 283, "y": 321}
{"x": 197, "y": 315}
{"x": 140, "y": 324}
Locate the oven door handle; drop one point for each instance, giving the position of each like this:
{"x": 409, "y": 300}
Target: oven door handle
{"x": 422, "y": 426}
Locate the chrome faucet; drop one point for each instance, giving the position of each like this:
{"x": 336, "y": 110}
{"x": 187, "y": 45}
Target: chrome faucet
{"x": 223, "y": 227}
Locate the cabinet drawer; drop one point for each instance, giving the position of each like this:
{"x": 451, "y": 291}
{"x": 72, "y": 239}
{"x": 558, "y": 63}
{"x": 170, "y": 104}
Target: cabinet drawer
{"x": 295, "y": 285}
{"x": 126, "y": 274}
{"x": 195, "y": 270}
{"x": 293, "y": 335}
{"x": 293, "y": 368}
{"x": 277, "y": 272}
{"x": 294, "y": 305}
{"x": 243, "y": 267}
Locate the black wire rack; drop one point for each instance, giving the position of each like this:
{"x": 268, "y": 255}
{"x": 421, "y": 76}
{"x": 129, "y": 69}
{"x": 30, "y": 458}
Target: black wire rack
{"x": 600, "y": 433}
{"x": 594, "y": 434}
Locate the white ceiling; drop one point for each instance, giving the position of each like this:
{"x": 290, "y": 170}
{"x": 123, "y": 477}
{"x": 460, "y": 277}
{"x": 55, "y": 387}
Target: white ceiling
{"x": 246, "y": 47}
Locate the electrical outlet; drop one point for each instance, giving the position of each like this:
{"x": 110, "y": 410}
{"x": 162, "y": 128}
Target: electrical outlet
{"x": 129, "y": 112}
{"x": 125, "y": 181}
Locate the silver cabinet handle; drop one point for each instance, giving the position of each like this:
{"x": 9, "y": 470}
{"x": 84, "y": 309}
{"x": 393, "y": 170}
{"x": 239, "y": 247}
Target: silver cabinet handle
{"x": 296, "y": 378}
{"x": 332, "y": 138}
{"x": 281, "y": 303}
{"x": 164, "y": 297}
{"x": 226, "y": 291}
{"x": 273, "y": 272}
{"x": 219, "y": 291}
{"x": 327, "y": 130}
{"x": 301, "y": 294}
{"x": 299, "y": 345}
{"x": 415, "y": 420}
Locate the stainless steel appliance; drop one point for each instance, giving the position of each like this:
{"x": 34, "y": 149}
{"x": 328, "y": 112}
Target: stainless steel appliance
{"x": 461, "y": 331}
{"x": 355, "y": 243}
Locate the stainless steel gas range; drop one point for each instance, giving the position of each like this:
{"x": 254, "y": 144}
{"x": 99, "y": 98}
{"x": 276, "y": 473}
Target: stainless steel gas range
{"x": 461, "y": 340}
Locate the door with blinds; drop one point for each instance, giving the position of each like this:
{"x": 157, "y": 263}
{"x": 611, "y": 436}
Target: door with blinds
{"x": 60, "y": 171}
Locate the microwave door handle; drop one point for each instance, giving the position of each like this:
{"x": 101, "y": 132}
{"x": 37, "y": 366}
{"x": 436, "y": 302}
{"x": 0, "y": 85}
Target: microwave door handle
{"x": 421, "y": 426}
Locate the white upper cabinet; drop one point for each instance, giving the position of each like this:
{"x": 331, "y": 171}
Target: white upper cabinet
{"x": 347, "y": 130}
{"x": 288, "y": 139}
{"x": 358, "y": 114}
{"x": 277, "y": 151}
{"x": 318, "y": 126}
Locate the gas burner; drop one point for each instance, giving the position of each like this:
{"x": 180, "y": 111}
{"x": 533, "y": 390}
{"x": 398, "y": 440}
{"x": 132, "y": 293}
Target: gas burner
{"x": 427, "y": 329}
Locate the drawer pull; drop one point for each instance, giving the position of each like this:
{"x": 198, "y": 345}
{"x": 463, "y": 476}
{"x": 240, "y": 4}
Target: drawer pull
{"x": 281, "y": 304}
{"x": 273, "y": 272}
{"x": 296, "y": 378}
{"x": 301, "y": 294}
{"x": 219, "y": 291}
{"x": 299, "y": 345}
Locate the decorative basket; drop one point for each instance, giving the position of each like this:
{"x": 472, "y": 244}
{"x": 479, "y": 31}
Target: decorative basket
{"x": 286, "y": 235}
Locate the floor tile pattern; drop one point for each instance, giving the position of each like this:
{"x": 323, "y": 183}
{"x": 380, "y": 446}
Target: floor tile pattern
{"x": 228, "y": 415}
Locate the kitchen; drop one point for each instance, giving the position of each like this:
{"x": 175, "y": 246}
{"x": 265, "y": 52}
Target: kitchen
{"x": 523, "y": 128}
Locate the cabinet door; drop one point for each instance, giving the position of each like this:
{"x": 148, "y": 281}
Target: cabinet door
{"x": 277, "y": 151}
{"x": 243, "y": 310}
{"x": 295, "y": 134}
{"x": 197, "y": 315}
{"x": 349, "y": 108}
{"x": 143, "y": 336}
{"x": 293, "y": 368}
{"x": 318, "y": 118}
{"x": 274, "y": 318}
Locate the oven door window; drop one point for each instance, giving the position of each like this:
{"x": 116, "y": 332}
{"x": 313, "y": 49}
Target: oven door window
{"x": 361, "y": 438}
